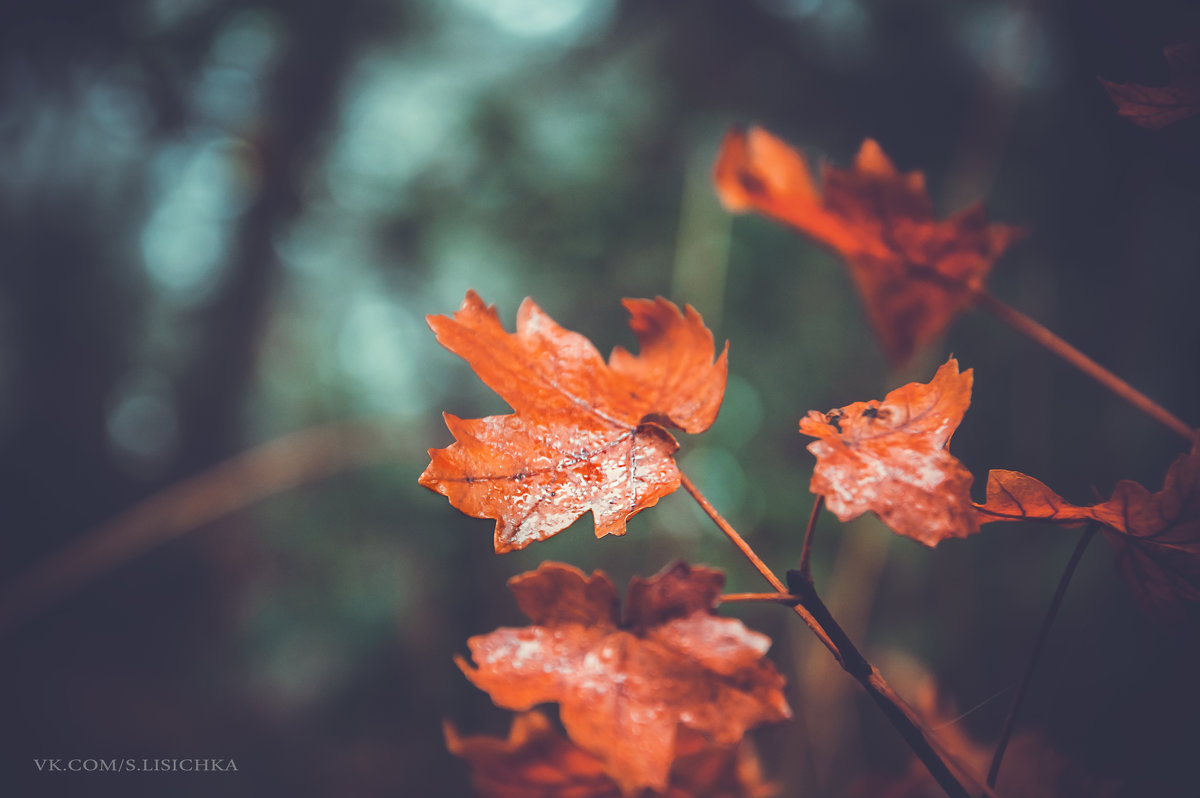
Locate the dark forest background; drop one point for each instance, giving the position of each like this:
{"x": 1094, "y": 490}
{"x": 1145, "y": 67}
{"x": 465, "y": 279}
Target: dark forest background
{"x": 223, "y": 221}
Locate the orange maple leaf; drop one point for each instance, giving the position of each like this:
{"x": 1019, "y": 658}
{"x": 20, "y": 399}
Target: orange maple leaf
{"x": 535, "y": 761}
{"x": 1156, "y": 107}
{"x": 890, "y": 457}
{"x": 915, "y": 273}
{"x": 1013, "y": 496}
{"x": 586, "y": 435}
{"x": 1156, "y": 536}
{"x": 624, "y": 687}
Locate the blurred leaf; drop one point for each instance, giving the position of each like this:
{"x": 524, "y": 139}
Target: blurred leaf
{"x": 1154, "y": 107}
{"x": 1156, "y": 536}
{"x": 538, "y": 762}
{"x": 915, "y": 273}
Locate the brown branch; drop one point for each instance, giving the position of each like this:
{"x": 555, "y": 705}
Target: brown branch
{"x": 770, "y": 598}
{"x": 1048, "y": 339}
{"x": 894, "y": 708}
{"x": 814, "y": 612}
{"x": 276, "y": 466}
{"x": 732, "y": 534}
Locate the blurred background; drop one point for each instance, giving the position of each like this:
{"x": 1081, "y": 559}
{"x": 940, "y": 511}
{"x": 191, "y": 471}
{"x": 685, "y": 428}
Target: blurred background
{"x": 223, "y": 221}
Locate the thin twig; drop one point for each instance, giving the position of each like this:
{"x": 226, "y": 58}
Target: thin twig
{"x": 770, "y": 598}
{"x": 276, "y": 466}
{"x": 902, "y": 717}
{"x": 1038, "y": 645}
{"x": 817, "y": 616}
{"x": 754, "y": 559}
{"x": 848, "y": 591}
{"x": 1023, "y": 324}
{"x": 732, "y": 534}
{"x": 809, "y": 530}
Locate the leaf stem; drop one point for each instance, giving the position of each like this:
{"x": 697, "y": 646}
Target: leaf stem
{"x": 814, "y": 612}
{"x": 1038, "y": 645}
{"x": 732, "y": 534}
{"x": 809, "y": 530}
{"x": 1050, "y": 340}
{"x": 754, "y": 559}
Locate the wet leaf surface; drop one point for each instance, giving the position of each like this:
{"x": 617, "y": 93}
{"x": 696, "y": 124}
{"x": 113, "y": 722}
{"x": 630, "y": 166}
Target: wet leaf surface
{"x": 625, "y": 687}
{"x": 890, "y": 457}
{"x": 587, "y": 436}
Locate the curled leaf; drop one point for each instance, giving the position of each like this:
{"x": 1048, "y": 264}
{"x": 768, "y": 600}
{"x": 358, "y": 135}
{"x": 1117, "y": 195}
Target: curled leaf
{"x": 587, "y": 436}
{"x": 538, "y": 762}
{"x": 915, "y": 273}
{"x": 1013, "y": 496}
{"x": 890, "y": 458}
{"x": 1157, "y": 540}
{"x": 1156, "y": 536}
{"x": 626, "y": 686}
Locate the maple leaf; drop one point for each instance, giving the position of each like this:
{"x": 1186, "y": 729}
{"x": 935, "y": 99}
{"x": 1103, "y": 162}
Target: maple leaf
{"x": 890, "y": 457}
{"x": 1156, "y": 536}
{"x": 535, "y": 761}
{"x": 624, "y": 687}
{"x": 586, "y": 435}
{"x": 1156, "y": 107}
{"x": 915, "y": 273}
{"x": 1013, "y": 496}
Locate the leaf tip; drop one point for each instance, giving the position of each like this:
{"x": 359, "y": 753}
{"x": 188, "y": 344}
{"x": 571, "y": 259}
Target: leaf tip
{"x": 949, "y": 371}
{"x": 472, "y": 305}
{"x": 465, "y": 666}
{"x": 613, "y": 523}
{"x": 756, "y": 170}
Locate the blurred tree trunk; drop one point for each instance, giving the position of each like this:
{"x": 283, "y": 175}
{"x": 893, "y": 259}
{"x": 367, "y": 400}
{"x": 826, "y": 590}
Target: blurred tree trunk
{"x": 301, "y": 106}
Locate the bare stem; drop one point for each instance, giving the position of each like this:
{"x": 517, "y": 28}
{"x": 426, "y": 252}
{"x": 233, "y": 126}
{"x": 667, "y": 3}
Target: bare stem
{"x": 902, "y": 717}
{"x": 809, "y": 530}
{"x": 769, "y": 598}
{"x": 809, "y": 606}
{"x": 278, "y": 465}
{"x": 732, "y": 534}
{"x": 1023, "y": 324}
{"x": 1038, "y": 645}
